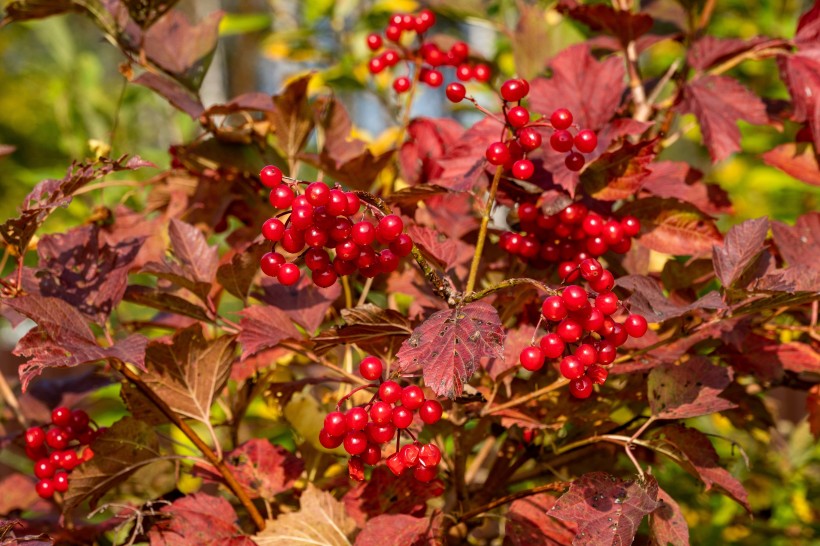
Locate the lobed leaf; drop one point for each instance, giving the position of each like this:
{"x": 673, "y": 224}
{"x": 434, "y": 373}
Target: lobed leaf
{"x": 648, "y": 300}
{"x": 679, "y": 180}
{"x": 624, "y": 25}
{"x": 199, "y": 519}
{"x": 619, "y": 174}
{"x": 374, "y": 330}
{"x": 305, "y": 303}
{"x": 689, "y": 389}
{"x": 795, "y": 159}
{"x": 399, "y": 529}
{"x": 667, "y": 525}
{"x": 527, "y": 526}
{"x": 740, "y": 250}
{"x": 236, "y": 276}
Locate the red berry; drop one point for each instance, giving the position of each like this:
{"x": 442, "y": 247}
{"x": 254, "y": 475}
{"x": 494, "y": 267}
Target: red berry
{"x": 61, "y": 416}
{"x": 622, "y": 247}
{"x": 353, "y": 203}
{"x": 35, "y": 437}
{"x": 273, "y": 229}
{"x": 581, "y": 387}
{"x": 402, "y": 245}
{"x": 56, "y": 439}
{"x": 590, "y": 268}
{"x": 570, "y": 330}
{"x": 371, "y": 368}
{"x": 482, "y": 73}
{"x": 561, "y": 119}
{"x": 455, "y": 92}
{"x": 45, "y": 489}
{"x": 270, "y": 176}
{"x": 606, "y": 352}
{"x": 60, "y": 481}
{"x": 335, "y": 423}
{"x": 401, "y": 84}
{"x": 592, "y": 224}
{"x": 464, "y": 72}
{"x": 425, "y": 474}
{"x": 430, "y": 411}
{"x": 348, "y": 251}
{"x": 381, "y": 412}
{"x": 460, "y": 51}
{"x": 316, "y": 259}
{"x": 603, "y": 283}
{"x": 426, "y": 18}
{"x": 281, "y": 197}
{"x": 412, "y": 397}
{"x": 593, "y": 320}
{"x": 376, "y": 65}
{"x": 355, "y": 442}
{"x": 390, "y": 392}
{"x": 433, "y": 78}
{"x": 568, "y": 271}
{"x": 613, "y": 233}
{"x": 36, "y": 453}
{"x": 293, "y": 241}
{"x": 575, "y": 297}
{"x": 586, "y": 354}
{"x": 597, "y": 374}
{"x": 429, "y": 455}
{"x": 317, "y": 194}
{"x": 552, "y": 346}
{"x": 631, "y": 225}
{"x": 69, "y": 460}
{"x": 409, "y": 455}
{"x": 523, "y": 169}
{"x": 364, "y": 233}
{"x": 586, "y": 141}
{"x": 402, "y": 417}
{"x": 88, "y": 454}
{"x": 356, "y": 419}
{"x": 389, "y": 228}
{"x": 288, "y": 274}
{"x": 391, "y": 57}
{"x": 393, "y": 33}
{"x": 554, "y": 308}
{"x": 497, "y": 153}
{"x": 529, "y": 139}
{"x": 561, "y": 141}
{"x": 330, "y": 442}
{"x": 571, "y": 367}
{"x": 607, "y": 303}
{"x": 316, "y": 237}
{"x": 635, "y": 325}
{"x": 44, "y": 469}
{"x": 574, "y": 161}
{"x": 380, "y": 433}
{"x": 395, "y": 464}
{"x": 514, "y": 90}
{"x": 531, "y": 359}
{"x": 518, "y": 116}
{"x": 374, "y": 42}
{"x": 618, "y": 336}
{"x": 371, "y": 455}
{"x": 342, "y": 267}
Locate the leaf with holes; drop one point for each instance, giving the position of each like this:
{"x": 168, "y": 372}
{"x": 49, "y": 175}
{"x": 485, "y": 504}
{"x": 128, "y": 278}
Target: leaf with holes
{"x": 606, "y": 509}
{"x": 374, "y": 330}
{"x": 517, "y": 339}
{"x": 527, "y": 526}
{"x": 667, "y": 525}
{"x": 321, "y": 519}
{"x": 689, "y": 389}
{"x": 264, "y": 327}
{"x": 199, "y": 519}
{"x": 740, "y": 249}
{"x": 673, "y": 227}
{"x": 120, "y": 451}
{"x": 701, "y": 460}
{"x": 447, "y": 346}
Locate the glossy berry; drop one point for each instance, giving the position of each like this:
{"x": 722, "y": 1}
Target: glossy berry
{"x": 44, "y": 469}
{"x": 574, "y": 161}
{"x": 514, "y": 90}
{"x": 330, "y": 442}
{"x": 531, "y": 359}
{"x": 395, "y": 464}
{"x": 381, "y": 412}
{"x": 581, "y": 387}
{"x": 335, "y": 423}
{"x": 523, "y": 169}
{"x": 635, "y": 325}
{"x": 356, "y": 419}
{"x": 270, "y": 263}
{"x": 429, "y": 455}
{"x": 529, "y": 139}
{"x": 430, "y": 411}
{"x": 455, "y": 92}
{"x": 60, "y": 481}
{"x": 497, "y": 153}
{"x": 288, "y": 274}
{"x": 355, "y": 442}
{"x": 433, "y": 78}
{"x": 270, "y": 176}
{"x": 412, "y": 397}
{"x": 61, "y": 416}
{"x": 69, "y": 460}
{"x": 425, "y": 474}
{"x": 281, "y": 197}
{"x": 552, "y": 346}
{"x": 402, "y": 245}
{"x": 482, "y": 73}
{"x": 45, "y": 489}
{"x": 371, "y": 368}
{"x": 597, "y": 374}
{"x": 409, "y": 455}
{"x": 571, "y": 367}
{"x": 380, "y": 433}
{"x": 401, "y": 84}
{"x": 603, "y": 283}
{"x": 631, "y": 226}
{"x": 618, "y": 335}
{"x": 317, "y": 194}
{"x": 402, "y": 417}
{"x": 561, "y": 119}
{"x": 273, "y": 229}
{"x": 56, "y": 439}
{"x": 586, "y": 141}
{"x": 554, "y": 308}
{"x": 570, "y": 330}
{"x": 371, "y": 455}
{"x": 364, "y": 233}
{"x": 390, "y": 392}
{"x": 35, "y": 437}
{"x": 606, "y": 352}
{"x": 606, "y": 302}
{"x": 316, "y": 259}
{"x": 389, "y": 228}
{"x": 575, "y": 297}
{"x": 561, "y": 141}
{"x": 586, "y": 354}
{"x": 590, "y": 268}
{"x": 376, "y": 65}
{"x": 374, "y": 42}
{"x": 518, "y": 117}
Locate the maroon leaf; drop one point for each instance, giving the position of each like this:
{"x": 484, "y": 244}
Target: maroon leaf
{"x": 719, "y": 102}
{"x": 702, "y": 460}
{"x": 648, "y": 300}
{"x": 527, "y": 526}
{"x": 263, "y": 327}
{"x": 667, "y": 525}
{"x": 624, "y": 25}
{"x": 292, "y": 118}
{"x": 608, "y": 510}
{"x": 237, "y": 275}
{"x": 263, "y": 469}
{"x": 198, "y": 519}
{"x": 247, "y": 102}
{"x": 740, "y": 249}
{"x": 517, "y": 339}
{"x": 677, "y": 179}
{"x": 532, "y": 41}
{"x": 461, "y": 168}
{"x": 450, "y": 253}
{"x": 619, "y": 174}
{"x": 590, "y": 89}
{"x": 798, "y": 244}
{"x": 176, "y": 94}
{"x": 709, "y": 51}
{"x": 374, "y": 330}
{"x": 399, "y": 529}
{"x": 422, "y": 299}
{"x": 689, "y": 389}
{"x": 767, "y": 358}
{"x": 795, "y": 159}
{"x": 451, "y": 214}
{"x": 304, "y": 302}
{"x": 673, "y": 227}
{"x": 63, "y": 339}
{"x": 449, "y": 344}
{"x": 801, "y": 73}
{"x": 428, "y": 140}
{"x": 386, "y": 493}
{"x": 163, "y": 301}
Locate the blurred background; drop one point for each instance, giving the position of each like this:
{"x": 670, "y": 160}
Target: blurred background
{"x": 62, "y": 97}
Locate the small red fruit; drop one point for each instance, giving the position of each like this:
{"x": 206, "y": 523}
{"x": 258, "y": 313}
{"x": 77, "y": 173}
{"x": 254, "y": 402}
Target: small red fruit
{"x": 270, "y": 176}
{"x": 561, "y": 119}
{"x": 430, "y": 411}
{"x": 455, "y": 92}
{"x": 531, "y": 359}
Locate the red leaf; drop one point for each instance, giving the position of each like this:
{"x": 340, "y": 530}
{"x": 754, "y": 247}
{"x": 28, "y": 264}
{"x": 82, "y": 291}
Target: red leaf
{"x": 461, "y": 168}
{"x": 527, "y": 526}
{"x": 608, "y": 510}
{"x": 399, "y": 529}
{"x": 63, "y": 339}
{"x": 198, "y": 519}
{"x": 624, "y": 25}
{"x": 710, "y": 51}
{"x": 801, "y": 73}
{"x": 648, "y": 300}
{"x": 795, "y": 159}
{"x": 719, "y": 102}
{"x": 590, "y": 89}
{"x": 767, "y": 358}
{"x": 799, "y": 244}
{"x": 689, "y": 389}
{"x": 448, "y": 346}
{"x": 386, "y": 493}
{"x": 411, "y": 283}
{"x": 677, "y": 179}
{"x": 517, "y": 340}
{"x": 703, "y": 461}
{"x": 813, "y": 408}
{"x": 176, "y": 94}
{"x": 304, "y": 302}
{"x": 263, "y": 327}
{"x": 376, "y": 331}
{"x": 451, "y": 253}
{"x": 428, "y": 140}
{"x": 451, "y": 214}
{"x": 293, "y": 118}
{"x": 667, "y": 525}
{"x": 740, "y": 249}
{"x": 264, "y": 470}
{"x": 619, "y": 174}
{"x": 237, "y": 275}
{"x": 673, "y": 227}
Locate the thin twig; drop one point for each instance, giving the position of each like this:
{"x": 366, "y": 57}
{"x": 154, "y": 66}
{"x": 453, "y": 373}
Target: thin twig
{"x": 509, "y": 283}
{"x": 11, "y": 401}
{"x": 482, "y": 232}
{"x": 555, "y": 385}
{"x": 555, "y": 486}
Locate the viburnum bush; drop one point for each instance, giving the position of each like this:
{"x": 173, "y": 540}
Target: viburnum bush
{"x": 492, "y": 334}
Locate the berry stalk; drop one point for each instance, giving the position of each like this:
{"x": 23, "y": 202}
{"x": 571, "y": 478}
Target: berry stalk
{"x": 482, "y": 233}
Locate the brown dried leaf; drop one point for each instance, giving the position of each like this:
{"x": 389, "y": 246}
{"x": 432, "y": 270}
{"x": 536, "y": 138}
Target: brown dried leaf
{"x": 374, "y": 330}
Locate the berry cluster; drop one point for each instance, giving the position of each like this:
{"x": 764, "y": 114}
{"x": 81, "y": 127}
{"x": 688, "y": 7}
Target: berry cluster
{"x": 364, "y": 429}
{"x": 427, "y": 55}
{"x": 567, "y": 237}
{"x": 323, "y": 218}
{"x": 512, "y": 152}
{"x": 582, "y": 333}
{"x": 59, "y": 449}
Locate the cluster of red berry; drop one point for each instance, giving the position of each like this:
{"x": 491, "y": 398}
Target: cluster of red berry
{"x": 60, "y": 449}
{"x": 512, "y": 153}
{"x": 567, "y": 237}
{"x": 322, "y": 218}
{"x": 581, "y": 333}
{"x": 364, "y": 429}
{"x": 427, "y": 55}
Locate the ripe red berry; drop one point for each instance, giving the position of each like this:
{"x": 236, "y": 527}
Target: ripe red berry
{"x": 45, "y": 489}
{"x": 288, "y": 274}
{"x": 455, "y": 92}
{"x": 335, "y": 423}
{"x": 518, "y": 117}
{"x": 586, "y": 141}
{"x": 603, "y": 283}
{"x": 631, "y": 226}
{"x": 482, "y": 73}
{"x": 390, "y": 392}
{"x": 575, "y": 297}
{"x": 574, "y": 161}
{"x": 316, "y": 259}
{"x": 497, "y": 153}
{"x": 571, "y": 367}
{"x": 374, "y": 42}
{"x": 597, "y": 374}
{"x": 56, "y": 439}
{"x": 393, "y": 33}
{"x": 69, "y": 460}
{"x": 342, "y": 267}
{"x": 425, "y": 474}
{"x": 412, "y": 397}
{"x": 429, "y": 455}
{"x": 61, "y": 416}
{"x": 391, "y": 57}
{"x": 301, "y": 217}
{"x": 35, "y": 437}
{"x": 273, "y": 229}
{"x": 371, "y": 368}
{"x": 401, "y": 84}
{"x": 364, "y": 233}
{"x": 388, "y": 262}
{"x": 618, "y": 335}
{"x": 561, "y": 141}
{"x": 531, "y": 359}
{"x": 380, "y": 433}
{"x": 586, "y": 354}
{"x": 355, "y": 442}
{"x": 514, "y": 90}
{"x": 60, "y": 481}
{"x": 606, "y": 302}
{"x": 529, "y": 139}
{"x": 371, "y": 455}
{"x": 570, "y": 330}
{"x": 36, "y": 453}
{"x": 270, "y": 176}
{"x": 433, "y": 78}
{"x": 356, "y": 419}
{"x": 44, "y": 469}
{"x": 402, "y": 245}
{"x": 590, "y": 268}
{"x": 409, "y": 455}
{"x": 430, "y": 411}
{"x": 389, "y": 228}
{"x": 613, "y": 233}
{"x": 635, "y": 325}
{"x": 581, "y": 387}
{"x": 606, "y": 352}
{"x": 561, "y": 119}
{"x": 402, "y": 417}
{"x": 376, "y": 65}
{"x": 527, "y": 212}
{"x": 523, "y": 169}
{"x": 395, "y": 464}
{"x": 330, "y": 442}
{"x": 381, "y": 412}
{"x": 568, "y": 271}
{"x": 593, "y": 320}
{"x": 552, "y": 346}
{"x": 592, "y": 224}
{"x": 622, "y": 247}
{"x": 281, "y": 197}
{"x": 317, "y": 194}
{"x": 554, "y": 308}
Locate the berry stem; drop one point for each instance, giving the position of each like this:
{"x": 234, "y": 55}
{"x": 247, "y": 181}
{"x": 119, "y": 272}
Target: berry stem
{"x": 344, "y": 398}
{"x": 509, "y": 283}
{"x": 555, "y": 385}
{"x": 11, "y": 401}
{"x": 181, "y": 424}
{"x": 554, "y": 486}
{"x": 482, "y": 233}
